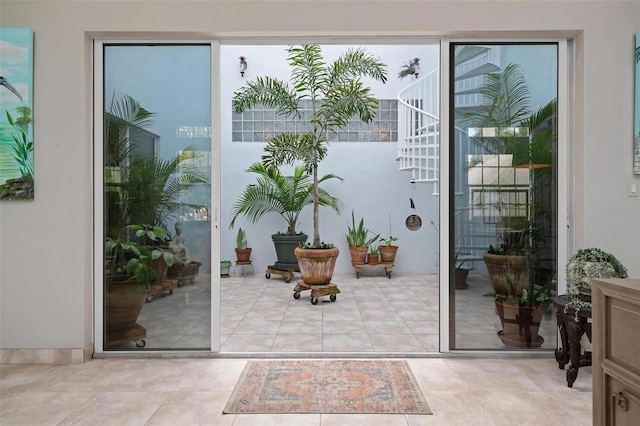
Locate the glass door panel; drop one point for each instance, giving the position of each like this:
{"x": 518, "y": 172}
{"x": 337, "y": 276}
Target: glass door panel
{"x": 157, "y": 197}
{"x": 504, "y": 198}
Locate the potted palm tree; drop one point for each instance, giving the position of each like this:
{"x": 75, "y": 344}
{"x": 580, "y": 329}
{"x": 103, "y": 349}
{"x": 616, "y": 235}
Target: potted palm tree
{"x": 522, "y": 140}
{"x": 336, "y": 94}
{"x": 287, "y": 196}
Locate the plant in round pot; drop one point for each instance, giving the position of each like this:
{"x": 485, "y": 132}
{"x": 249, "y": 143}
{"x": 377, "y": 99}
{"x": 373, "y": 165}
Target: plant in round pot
{"x": 388, "y": 250}
{"x": 225, "y": 268}
{"x": 335, "y": 93}
{"x": 521, "y": 311}
{"x": 243, "y": 253}
{"x": 373, "y": 256}
{"x": 287, "y": 196}
{"x": 130, "y": 270}
{"x": 359, "y": 239}
{"x": 585, "y": 266}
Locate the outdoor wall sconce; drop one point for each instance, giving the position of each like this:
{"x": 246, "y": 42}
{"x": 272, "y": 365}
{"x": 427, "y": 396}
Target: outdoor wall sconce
{"x": 243, "y": 65}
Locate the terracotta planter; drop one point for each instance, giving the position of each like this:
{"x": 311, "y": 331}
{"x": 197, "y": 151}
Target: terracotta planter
{"x": 388, "y": 253}
{"x": 460, "y": 278}
{"x": 316, "y": 265}
{"x": 124, "y": 300}
{"x": 358, "y": 254}
{"x": 516, "y": 266}
{"x": 520, "y": 325}
{"x": 372, "y": 259}
{"x": 243, "y": 255}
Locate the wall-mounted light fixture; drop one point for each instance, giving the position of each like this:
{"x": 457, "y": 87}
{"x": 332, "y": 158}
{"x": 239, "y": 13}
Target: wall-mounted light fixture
{"x": 416, "y": 67}
{"x": 243, "y": 65}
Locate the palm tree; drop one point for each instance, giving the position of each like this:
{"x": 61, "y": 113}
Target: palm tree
{"x": 153, "y": 187}
{"x": 336, "y": 94}
{"x": 284, "y": 195}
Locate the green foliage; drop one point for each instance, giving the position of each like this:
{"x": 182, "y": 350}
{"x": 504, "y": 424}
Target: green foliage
{"x": 336, "y": 93}
{"x": 389, "y": 241}
{"x": 358, "y": 235}
{"x": 241, "y": 239}
{"x": 284, "y": 195}
{"x": 322, "y": 245}
{"x": 22, "y": 148}
{"x": 527, "y": 297}
{"x": 134, "y": 257}
{"x": 374, "y": 250}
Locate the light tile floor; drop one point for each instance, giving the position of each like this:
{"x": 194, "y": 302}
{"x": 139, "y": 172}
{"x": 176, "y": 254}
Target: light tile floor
{"x": 372, "y": 315}
{"x": 460, "y": 391}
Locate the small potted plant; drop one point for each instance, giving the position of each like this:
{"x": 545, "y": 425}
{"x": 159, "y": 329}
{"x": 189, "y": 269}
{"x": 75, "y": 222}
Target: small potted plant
{"x": 585, "y": 266}
{"x": 243, "y": 253}
{"x": 373, "y": 255}
{"x": 225, "y": 268}
{"x": 359, "y": 239}
{"x": 388, "y": 250}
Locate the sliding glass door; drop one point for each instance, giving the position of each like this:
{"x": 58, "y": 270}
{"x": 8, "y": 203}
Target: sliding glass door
{"x": 504, "y": 195}
{"x": 156, "y": 196}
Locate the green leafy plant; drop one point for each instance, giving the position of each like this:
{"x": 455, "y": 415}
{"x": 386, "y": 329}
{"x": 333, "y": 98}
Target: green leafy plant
{"x": 389, "y": 240}
{"x": 22, "y": 148}
{"x": 374, "y": 250}
{"x": 358, "y": 235}
{"x": 241, "y": 239}
{"x": 585, "y": 266}
{"x": 322, "y": 245}
{"x": 525, "y": 297}
{"x": 336, "y": 93}
{"x": 285, "y": 195}
{"x": 135, "y": 258}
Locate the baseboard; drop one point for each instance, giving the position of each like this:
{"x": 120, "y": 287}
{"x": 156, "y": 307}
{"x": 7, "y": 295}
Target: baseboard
{"x": 46, "y": 356}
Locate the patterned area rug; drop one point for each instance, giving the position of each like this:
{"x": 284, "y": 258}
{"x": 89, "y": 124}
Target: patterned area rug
{"x": 327, "y": 386}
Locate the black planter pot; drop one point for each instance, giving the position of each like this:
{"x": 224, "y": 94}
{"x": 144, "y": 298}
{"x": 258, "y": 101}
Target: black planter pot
{"x": 285, "y": 245}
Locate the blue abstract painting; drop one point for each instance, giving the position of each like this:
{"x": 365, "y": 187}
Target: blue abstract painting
{"x": 16, "y": 106}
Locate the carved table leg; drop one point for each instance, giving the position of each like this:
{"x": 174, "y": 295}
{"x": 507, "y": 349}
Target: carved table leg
{"x": 574, "y": 332}
{"x": 562, "y": 354}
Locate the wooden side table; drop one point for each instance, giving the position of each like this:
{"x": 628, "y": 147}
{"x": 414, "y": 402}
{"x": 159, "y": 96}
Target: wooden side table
{"x": 571, "y": 332}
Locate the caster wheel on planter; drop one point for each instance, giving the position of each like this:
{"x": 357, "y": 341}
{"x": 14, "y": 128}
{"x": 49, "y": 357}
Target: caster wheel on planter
{"x": 333, "y": 297}
{"x": 141, "y": 343}
{"x": 267, "y": 276}
{"x": 314, "y": 300}
{"x": 287, "y": 280}
{"x": 296, "y": 295}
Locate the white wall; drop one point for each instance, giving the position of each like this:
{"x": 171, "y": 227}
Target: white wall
{"x": 46, "y": 263}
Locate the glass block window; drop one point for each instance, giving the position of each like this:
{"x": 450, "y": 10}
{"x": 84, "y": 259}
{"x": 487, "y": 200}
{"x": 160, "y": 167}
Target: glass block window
{"x": 261, "y": 123}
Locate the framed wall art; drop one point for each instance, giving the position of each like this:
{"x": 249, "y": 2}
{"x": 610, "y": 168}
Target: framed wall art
{"x": 16, "y": 107}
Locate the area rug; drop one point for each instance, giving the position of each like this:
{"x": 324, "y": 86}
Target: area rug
{"x": 327, "y": 386}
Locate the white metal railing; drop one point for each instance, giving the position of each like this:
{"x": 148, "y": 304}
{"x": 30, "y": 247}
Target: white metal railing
{"x": 419, "y": 129}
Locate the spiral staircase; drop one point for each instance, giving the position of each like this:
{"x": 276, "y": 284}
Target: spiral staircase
{"x": 419, "y": 137}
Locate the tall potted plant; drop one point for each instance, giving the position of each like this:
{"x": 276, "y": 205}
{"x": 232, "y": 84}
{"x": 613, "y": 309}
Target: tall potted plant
{"x": 287, "y": 196}
{"x": 522, "y": 140}
{"x": 336, "y": 93}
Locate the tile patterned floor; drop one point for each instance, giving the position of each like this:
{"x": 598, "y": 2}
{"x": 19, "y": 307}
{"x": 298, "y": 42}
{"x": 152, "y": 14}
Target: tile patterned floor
{"x": 460, "y": 391}
{"x": 260, "y": 315}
